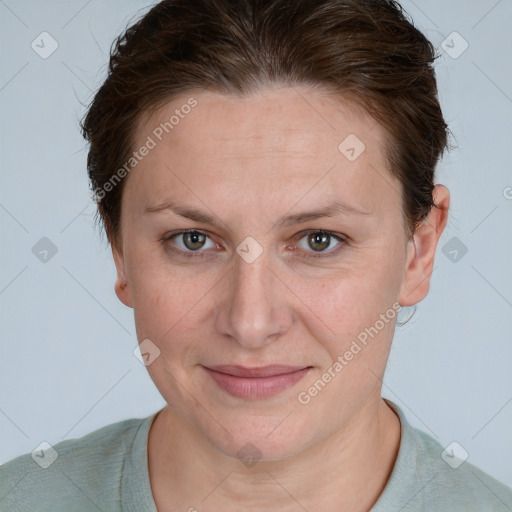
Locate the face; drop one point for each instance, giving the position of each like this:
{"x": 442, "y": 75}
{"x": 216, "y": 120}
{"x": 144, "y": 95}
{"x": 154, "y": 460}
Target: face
{"x": 254, "y": 234}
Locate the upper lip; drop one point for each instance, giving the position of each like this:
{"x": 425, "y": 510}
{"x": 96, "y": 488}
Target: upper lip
{"x": 261, "y": 371}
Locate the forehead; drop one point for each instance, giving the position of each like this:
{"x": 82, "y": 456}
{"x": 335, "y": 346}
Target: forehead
{"x": 281, "y": 119}
{"x": 260, "y": 145}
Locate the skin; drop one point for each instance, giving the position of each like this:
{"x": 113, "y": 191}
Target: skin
{"x": 248, "y": 161}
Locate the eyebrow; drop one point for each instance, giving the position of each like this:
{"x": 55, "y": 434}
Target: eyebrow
{"x": 335, "y": 208}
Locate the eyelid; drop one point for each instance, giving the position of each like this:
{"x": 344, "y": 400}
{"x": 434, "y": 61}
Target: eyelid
{"x": 195, "y": 254}
{"x": 341, "y": 238}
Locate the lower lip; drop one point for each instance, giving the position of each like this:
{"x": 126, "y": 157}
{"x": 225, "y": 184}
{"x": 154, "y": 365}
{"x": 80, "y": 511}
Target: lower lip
{"x": 256, "y": 387}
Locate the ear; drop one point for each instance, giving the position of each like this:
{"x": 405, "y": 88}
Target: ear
{"x": 422, "y": 248}
{"x": 122, "y": 287}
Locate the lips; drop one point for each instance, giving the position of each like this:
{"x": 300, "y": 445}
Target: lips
{"x": 256, "y": 383}
{"x": 262, "y": 371}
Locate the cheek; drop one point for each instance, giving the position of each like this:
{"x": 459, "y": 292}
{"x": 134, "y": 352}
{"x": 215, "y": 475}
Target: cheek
{"x": 163, "y": 299}
{"x": 165, "y": 305}
{"x": 353, "y": 300}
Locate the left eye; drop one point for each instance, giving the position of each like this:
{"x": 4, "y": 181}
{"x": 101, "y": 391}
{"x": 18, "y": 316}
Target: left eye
{"x": 319, "y": 241}
{"x": 192, "y": 241}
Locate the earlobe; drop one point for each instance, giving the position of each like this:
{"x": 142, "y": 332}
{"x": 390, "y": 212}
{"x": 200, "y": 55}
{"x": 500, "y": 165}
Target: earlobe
{"x": 422, "y": 248}
{"x": 122, "y": 287}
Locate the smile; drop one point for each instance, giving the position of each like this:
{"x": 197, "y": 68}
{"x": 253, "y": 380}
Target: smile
{"x": 256, "y": 383}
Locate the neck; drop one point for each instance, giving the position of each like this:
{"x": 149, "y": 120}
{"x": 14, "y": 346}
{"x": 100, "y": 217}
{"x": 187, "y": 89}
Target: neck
{"x": 347, "y": 471}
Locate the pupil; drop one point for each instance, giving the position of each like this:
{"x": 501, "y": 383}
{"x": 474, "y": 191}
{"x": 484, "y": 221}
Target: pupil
{"x": 196, "y": 239}
{"x": 321, "y": 239}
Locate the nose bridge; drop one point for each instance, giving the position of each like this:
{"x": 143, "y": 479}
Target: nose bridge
{"x": 254, "y": 311}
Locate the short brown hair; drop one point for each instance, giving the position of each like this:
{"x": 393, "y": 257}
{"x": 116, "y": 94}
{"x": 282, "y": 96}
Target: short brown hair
{"x": 367, "y": 51}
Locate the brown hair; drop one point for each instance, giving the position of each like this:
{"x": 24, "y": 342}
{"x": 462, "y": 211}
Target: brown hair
{"x": 364, "y": 50}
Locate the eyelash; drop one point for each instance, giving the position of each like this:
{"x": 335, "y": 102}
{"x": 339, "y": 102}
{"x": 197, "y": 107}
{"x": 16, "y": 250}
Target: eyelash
{"x": 203, "y": 254}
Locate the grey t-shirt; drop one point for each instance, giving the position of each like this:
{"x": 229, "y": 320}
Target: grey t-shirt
{"x": 107, "y": 470}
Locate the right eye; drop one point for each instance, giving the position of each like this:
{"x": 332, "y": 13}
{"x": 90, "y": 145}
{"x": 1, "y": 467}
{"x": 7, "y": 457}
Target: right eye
{"x": 189, "y": 242}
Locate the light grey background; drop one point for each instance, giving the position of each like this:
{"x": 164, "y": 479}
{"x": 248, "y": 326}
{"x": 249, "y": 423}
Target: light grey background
{"x": 67, "y": 365}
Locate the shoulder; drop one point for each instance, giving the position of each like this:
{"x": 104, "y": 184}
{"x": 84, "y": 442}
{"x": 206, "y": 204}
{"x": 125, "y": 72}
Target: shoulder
{"x": 454, "y": 481}
{"x": 76, "y": 474}
{"x": 429, "y": 477}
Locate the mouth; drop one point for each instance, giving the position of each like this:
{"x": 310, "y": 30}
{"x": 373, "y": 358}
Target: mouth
{"x": 256, "y": 383}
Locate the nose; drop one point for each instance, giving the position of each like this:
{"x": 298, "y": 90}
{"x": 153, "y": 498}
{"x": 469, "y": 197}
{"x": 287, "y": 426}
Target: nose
{"x": 254, "y": 309}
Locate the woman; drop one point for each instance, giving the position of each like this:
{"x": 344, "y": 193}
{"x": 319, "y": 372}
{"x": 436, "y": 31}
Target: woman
{"x": 265, "y": 175}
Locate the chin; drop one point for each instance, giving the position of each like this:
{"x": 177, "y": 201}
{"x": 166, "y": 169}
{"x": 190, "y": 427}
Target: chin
{"x": 257, "y": 439}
